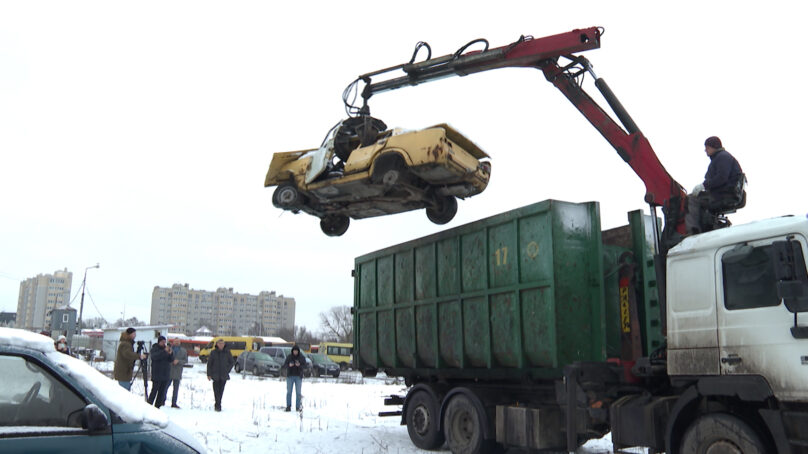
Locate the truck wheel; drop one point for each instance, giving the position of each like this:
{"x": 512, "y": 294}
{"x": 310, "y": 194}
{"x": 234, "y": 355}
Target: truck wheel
{"x": 463, "y": 426}
{"x": 444, "y": 209}
{"x": 720, "y": 433}
{"x": 203, "y": 359}
{"x": 422, "y": 421}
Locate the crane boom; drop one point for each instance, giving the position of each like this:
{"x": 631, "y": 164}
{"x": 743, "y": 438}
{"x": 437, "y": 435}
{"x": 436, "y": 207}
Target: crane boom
{"x": 543, "y": 54}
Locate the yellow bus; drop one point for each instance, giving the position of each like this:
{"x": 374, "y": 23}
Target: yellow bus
{"x": 237, "y": 345}
{"x": 340, "y": 353}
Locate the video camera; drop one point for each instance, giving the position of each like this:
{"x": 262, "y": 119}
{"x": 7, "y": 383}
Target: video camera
{"x": 141, "y": 346}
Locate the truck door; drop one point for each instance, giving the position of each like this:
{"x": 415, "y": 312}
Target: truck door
{"x": 754, "y": 326}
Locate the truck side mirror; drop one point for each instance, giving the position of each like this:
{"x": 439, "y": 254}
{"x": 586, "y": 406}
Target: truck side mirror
{"x": 792, "y": 279}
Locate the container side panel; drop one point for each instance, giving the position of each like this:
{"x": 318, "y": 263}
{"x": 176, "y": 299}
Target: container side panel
{"x": 476, "y": 331}
{"x": 578, "y": 283}
{"x": 473, "y": 261}
{"x": 405, "y": 278}
{"x": 535, "y": 248}
{"x": 405, "y": 337}
{"x": 387, "y": 340}
{"x": 367, "y": 339}
{"x": 367, "y": 295}
{"x": 502, "y": 254}
{"x": 451, "y": 333}
{"x": 448, "y": 276}
{"x": 384, "y": 280}
{"x": 538, "y": 320}
{"x": 505, "y": 330}
{"x": 427, "y": 339}
{"x": 425, "y": 272}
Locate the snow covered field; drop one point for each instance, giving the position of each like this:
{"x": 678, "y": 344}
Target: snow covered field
{"x": 339, "y": 415}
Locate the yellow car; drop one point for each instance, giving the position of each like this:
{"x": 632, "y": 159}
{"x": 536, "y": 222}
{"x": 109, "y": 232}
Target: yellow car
{"x": 400, "y": 171}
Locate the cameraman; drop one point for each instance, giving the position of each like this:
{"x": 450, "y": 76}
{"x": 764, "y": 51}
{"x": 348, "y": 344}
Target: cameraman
{"x": 125, "y": 359}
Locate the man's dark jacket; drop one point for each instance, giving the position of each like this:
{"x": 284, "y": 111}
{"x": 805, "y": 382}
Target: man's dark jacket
{"x": 160, "y": 363}
{"x": 219, "y": 363}
{"x": 722, "y": 173}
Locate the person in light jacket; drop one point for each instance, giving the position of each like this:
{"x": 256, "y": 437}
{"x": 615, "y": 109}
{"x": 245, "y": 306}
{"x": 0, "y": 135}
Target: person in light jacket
{"x": 220, "y": 362}
{"x": 180, "y": 358}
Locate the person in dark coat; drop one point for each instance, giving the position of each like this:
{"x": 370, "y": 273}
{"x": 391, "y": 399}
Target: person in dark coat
{"x": 718, "y": 187}
{"x": 161, "y": 358}
{"x": 180, "y": 358}
{"x": 125, "y": 358}
{"x": 294, "y": 364}
{"x": 220, "y": 362}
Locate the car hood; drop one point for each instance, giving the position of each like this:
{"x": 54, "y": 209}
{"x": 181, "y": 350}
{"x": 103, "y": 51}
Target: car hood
{"x": 184, "y": 436}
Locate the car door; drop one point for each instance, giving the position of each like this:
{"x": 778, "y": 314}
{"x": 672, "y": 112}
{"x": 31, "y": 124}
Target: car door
{"x": 39, "y": 413}
{"x": 754, "y": 325}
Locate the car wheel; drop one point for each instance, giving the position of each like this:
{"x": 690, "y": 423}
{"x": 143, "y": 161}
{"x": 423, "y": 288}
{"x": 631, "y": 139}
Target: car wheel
{"x": 316, "y": 372}
{"x": 390, "y": 170}
{"x": 336, "y": 375}
{"x": 238, "y": 368}
{"x": 723, "y": 433}
{"x": 444, "y": 209}
{"x": 287, "y": 196}
{"x": 335, "y": 224}
{"x": 256, "y": 372}
{"x": 422, "y": 421}
{"x": 203, "y": 359}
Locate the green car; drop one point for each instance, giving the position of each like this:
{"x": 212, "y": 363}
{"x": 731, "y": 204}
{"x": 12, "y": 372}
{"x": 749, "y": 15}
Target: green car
{"x": 51, "y": 402}
{"x": 323, "y": 365}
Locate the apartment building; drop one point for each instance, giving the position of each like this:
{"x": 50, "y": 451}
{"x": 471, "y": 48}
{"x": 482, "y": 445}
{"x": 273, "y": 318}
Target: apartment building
{"x": 39, "y": 295}
{"x": 224, "y": 311}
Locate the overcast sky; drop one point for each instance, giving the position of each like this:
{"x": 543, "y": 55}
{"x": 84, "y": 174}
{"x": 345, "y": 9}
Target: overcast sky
{"x": 138, "y": 134}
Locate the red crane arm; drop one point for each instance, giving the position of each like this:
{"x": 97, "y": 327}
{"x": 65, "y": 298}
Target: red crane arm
{"x": 544, "y": 53}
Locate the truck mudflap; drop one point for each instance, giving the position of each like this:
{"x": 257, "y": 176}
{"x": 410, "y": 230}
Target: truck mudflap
{"x": 789, "y": 429}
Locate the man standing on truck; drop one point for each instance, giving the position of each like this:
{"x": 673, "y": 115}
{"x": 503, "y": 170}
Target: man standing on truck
{"x": 294, "y": 377}
{"x": 719, "y": 184}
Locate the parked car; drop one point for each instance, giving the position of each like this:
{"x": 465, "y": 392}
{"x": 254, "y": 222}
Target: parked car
{"x": 258, "y": 364}
{"x": 279, "y": 354}
{"x": 398, "y": 171}
{"x": 323, "y": 365}
{"x": 51, "y": 402}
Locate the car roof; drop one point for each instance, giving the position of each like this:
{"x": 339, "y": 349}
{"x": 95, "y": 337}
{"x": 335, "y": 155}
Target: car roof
{"x": 10, "y": 337}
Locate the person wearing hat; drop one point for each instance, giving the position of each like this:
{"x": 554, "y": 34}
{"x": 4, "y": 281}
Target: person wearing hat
{"x": 719, "y": 183}
{"x": 61, "y": 345}
{"x": 161, "y": 358}
{"x": 125, "y": 358}
{"x": 294, "y": 364}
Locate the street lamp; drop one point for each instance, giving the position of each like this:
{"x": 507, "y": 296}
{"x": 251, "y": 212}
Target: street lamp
{"x": 81, "y": 305}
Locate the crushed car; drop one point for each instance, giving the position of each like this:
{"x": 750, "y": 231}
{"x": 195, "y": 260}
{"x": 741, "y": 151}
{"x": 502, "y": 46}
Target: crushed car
{"x": 391, "y": 171}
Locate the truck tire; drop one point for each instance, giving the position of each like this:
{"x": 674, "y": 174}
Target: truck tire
{"x": 721, "y": 433}
{"x": 463, "y": 426}
{"x": 422, "y": 421}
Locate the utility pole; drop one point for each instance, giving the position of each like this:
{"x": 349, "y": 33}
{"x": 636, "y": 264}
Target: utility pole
{"x": 81, "y": 304}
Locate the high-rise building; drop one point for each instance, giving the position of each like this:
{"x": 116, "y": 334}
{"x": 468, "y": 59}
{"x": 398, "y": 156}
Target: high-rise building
{"x": 223, "y": 311}
{"x": 39, "y": 295}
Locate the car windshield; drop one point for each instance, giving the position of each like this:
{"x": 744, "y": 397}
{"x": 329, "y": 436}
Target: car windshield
{"x": 263, "y": 357}
{"x": 321, "y": 358}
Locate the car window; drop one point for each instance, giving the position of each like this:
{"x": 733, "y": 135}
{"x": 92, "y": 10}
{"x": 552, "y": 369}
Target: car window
{"x": 31, "y": 396}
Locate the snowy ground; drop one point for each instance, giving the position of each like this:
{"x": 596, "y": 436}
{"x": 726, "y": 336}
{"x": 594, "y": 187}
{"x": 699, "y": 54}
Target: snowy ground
{"x": 339, "y": 415}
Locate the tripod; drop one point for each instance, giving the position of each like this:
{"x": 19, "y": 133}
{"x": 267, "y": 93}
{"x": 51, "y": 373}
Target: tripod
{"x": 142, "y": 367}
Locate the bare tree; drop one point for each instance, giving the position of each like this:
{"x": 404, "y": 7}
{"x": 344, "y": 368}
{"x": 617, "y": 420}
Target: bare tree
{"x": 337, "y": 324}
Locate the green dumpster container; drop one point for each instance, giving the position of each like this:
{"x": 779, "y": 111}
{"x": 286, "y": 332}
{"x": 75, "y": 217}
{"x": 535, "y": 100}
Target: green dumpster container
{"x": 515, "y": 295}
